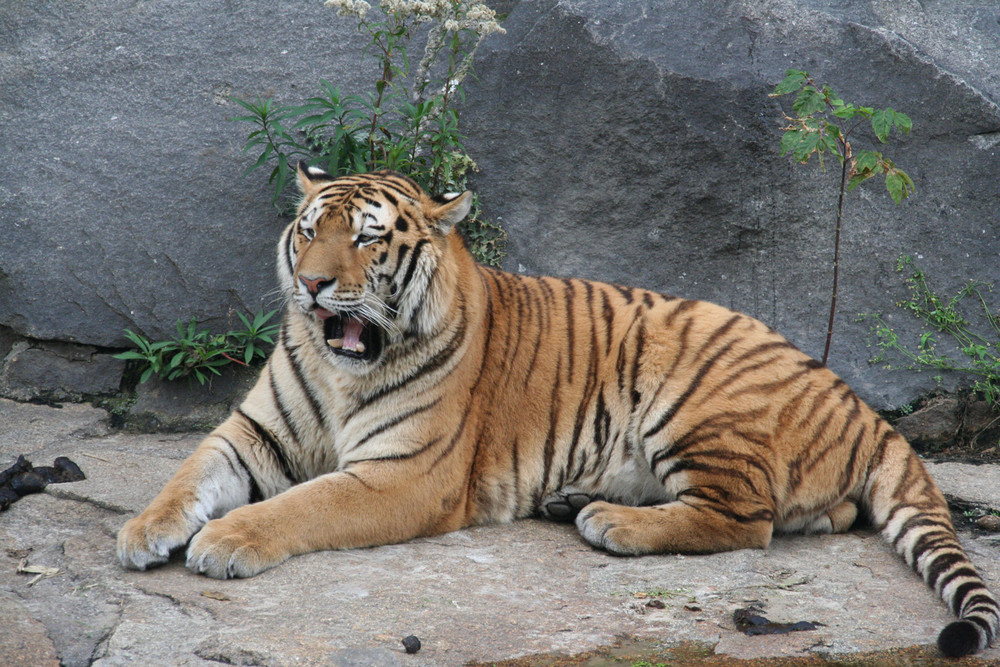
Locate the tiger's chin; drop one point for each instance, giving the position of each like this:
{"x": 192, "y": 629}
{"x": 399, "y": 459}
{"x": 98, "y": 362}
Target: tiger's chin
{"x": 350, "y": 335}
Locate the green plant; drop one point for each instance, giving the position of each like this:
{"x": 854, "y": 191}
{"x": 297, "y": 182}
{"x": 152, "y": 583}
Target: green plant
{"x": 256, "y": 333}
{"x": 824, "y": 123}
{"x": 408, "y": 122}
{"x": 975, "y": 332}
{"x": 486, "y": 239}
{"x": 198, "y": 353}
{"x": 979, "y": 512}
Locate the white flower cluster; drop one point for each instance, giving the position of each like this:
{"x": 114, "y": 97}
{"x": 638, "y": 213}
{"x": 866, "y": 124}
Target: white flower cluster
{"x": 454, "y": 15}
{"x": 476, "y": 17}
{"x": 358, "y": 8}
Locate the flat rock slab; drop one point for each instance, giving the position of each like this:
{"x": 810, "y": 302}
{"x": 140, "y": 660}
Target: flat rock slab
{"x": 483, "y": 594}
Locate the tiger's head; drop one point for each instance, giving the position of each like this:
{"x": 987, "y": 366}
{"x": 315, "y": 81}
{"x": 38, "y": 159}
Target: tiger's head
{"x": 359, "y": 259}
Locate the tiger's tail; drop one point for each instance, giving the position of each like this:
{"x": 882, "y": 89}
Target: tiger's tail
{"x": 912, "y": 514}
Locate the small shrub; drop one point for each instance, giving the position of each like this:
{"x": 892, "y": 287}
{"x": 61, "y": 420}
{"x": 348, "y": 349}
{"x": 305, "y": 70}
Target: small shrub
{"x": 965, "y": 320}
{"x": 408, "y": 122}
{"x": 197, "y": 353}
{"x": 823, "y": 123}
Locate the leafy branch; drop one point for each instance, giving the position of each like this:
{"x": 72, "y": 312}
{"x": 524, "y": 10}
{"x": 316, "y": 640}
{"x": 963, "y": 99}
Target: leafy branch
{"x": 823, "y": 124}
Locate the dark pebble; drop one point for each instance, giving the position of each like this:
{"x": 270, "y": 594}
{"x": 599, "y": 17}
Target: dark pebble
{"x": 411, "y": 644}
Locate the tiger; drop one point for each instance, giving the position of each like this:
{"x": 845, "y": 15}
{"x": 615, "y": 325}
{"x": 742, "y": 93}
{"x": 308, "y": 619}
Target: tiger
{"x": 413, "y": 392}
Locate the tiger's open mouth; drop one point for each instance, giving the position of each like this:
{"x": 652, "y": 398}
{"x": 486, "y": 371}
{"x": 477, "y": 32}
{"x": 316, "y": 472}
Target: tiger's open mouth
{"x": 351, "y": 335}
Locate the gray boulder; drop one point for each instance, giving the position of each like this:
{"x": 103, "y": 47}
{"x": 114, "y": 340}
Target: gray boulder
{"x": 635, "y": 142}
{"x": 624, "y": 141}
{"x": 121, "y": 189}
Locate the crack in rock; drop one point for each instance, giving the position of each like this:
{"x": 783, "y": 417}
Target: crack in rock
{"x": 178, "y": 604}
{"x": 63, "y": 494}
{"x": 104, "y": 640}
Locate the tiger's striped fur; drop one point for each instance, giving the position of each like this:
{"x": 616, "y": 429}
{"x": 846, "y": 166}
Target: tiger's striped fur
{"x": 413, "y": 392}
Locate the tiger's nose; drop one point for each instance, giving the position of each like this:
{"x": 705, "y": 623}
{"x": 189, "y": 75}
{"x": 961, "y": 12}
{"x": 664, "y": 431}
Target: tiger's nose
{"x": 314, "y": 285}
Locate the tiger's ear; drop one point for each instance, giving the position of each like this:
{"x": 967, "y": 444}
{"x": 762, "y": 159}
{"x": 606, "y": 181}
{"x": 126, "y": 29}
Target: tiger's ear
{"x": 450, "y": 209}
{"x": 310, "y": 177}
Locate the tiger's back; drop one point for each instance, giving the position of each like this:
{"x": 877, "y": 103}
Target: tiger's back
{"x": 609, "y": 390}
{"x": 414, "y": 392}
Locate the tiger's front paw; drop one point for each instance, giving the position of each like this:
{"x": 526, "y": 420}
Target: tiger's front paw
{"x": 147, "y": 540}
{"x": 232, "y": 547}
{"x": 614, "y": 528}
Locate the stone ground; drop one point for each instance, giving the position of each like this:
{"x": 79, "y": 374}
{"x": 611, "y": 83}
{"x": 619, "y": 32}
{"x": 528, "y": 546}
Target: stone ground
{"x": 485, "y": 594}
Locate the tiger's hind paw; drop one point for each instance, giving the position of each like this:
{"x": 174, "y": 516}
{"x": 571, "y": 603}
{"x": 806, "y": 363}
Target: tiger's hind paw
{"x": 565, "y": 504}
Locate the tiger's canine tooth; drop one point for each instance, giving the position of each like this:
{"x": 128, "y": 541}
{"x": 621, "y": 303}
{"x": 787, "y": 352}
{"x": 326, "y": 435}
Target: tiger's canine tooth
{"x": 359, "y": 348}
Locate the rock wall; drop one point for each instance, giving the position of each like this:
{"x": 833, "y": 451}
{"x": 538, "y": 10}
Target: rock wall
{"x": 627, "y": 141}
{"x": 635, "y": 142}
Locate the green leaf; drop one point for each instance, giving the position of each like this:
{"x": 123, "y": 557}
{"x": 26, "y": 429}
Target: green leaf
{"x": 866, "y": 160}
{"x": 790, "y": 140}
{"x": 898, "y": 184}
{"x": 793, "y": 81}
{"x": 829, "y": 144}
{"x": 264, "y": 317}
{"x": 882, "y": 121}
{"x": 807, "y": 146}
{"x": 129, "y": 355}
{"x": 136, "y": 338}
{"x": 846, "y": 111}
{"x": 902, "y": 123}
{"x": 809, "y": 101}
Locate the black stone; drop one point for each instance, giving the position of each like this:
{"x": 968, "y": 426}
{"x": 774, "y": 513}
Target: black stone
{"x": 411, "y": 644}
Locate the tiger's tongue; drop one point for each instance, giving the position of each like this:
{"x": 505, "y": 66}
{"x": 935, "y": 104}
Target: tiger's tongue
{"x": 352, "y": 332}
